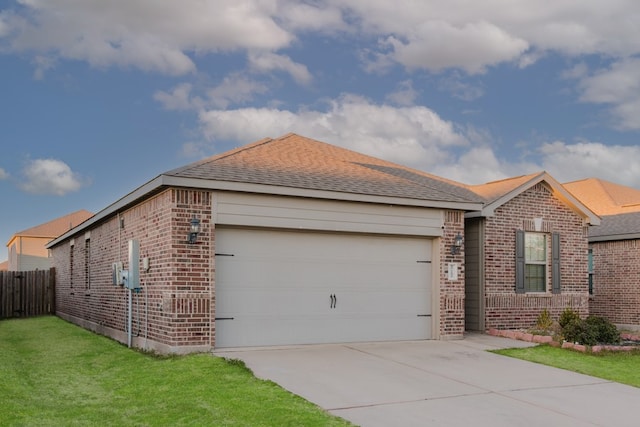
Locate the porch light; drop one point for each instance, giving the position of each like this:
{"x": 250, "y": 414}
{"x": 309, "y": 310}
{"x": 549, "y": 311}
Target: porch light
{"x": 457, "y": 244}
{"x": 192, "y": 237}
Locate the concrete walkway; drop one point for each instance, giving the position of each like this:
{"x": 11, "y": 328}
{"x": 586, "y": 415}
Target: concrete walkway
{"x": 441, "y": 383}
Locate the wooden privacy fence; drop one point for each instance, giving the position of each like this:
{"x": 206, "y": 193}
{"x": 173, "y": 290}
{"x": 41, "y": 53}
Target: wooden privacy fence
{"x": 27, "y": 293}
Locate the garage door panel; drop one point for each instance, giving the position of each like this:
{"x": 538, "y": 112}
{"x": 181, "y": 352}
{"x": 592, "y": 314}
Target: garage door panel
{"x": 277, "y": 288}
{"x": 293, "y": 330}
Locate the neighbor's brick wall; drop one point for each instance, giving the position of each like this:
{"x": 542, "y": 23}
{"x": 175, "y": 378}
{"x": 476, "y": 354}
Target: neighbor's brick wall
{"x": 504, "y": 309}
{"x": 616, "y": 281}
{"x": 174, "y": 307}
{"x": 451, "y": 291}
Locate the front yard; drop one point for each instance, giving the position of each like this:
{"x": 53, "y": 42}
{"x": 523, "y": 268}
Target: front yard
{"x": 622, "y": 367}
{"x": 54, "y": 373}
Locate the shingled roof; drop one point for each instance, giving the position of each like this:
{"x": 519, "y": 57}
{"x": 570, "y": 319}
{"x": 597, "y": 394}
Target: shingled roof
{"x": 300, "y": 162}
{"x": 494, "y": 190}
{"x": 497, "y": 193}
{"x": 604, "y": 197}
{"x": 55, "y": 227}
{"x": 618, "y": 205}
{"x": 293, "y": 165}
{"x": 616, "y": 227}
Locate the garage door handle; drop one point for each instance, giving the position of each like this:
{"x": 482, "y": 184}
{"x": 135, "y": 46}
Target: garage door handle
{"x": 332, "y": 301}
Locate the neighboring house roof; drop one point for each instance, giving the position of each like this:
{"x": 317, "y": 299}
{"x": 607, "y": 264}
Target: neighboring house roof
{"x": 604, "y": 197}
{"x": 4, "y": 266}
{"x": 616, "y": 227}
{"x": 56, "y": 227}
{"x": 619, "y": 206}
{"x": 497, "y": 193}
{"x": 293, "y": 165}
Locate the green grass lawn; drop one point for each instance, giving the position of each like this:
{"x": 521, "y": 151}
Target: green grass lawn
{"x": 53, "y": 373}
{"x": 621, "y": 367}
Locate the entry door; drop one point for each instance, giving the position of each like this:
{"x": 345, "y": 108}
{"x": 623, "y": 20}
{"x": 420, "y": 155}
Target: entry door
{"x": 287, "y": 287}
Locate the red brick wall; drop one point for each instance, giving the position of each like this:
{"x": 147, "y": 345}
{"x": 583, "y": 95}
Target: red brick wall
{"x": 451, "y": 291}
{"x": 174, "y": 311}
{"x": 616, "y": 281}
{"x": 173, "y": 308}
{"x": 503, "y": 307}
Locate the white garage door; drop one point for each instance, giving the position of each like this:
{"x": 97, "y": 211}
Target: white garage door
{"x": 287, "y": 287}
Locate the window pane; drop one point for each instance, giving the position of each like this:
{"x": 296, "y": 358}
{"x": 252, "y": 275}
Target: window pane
{"x": 535, "y": 248}
{"x": 534, "y": 278}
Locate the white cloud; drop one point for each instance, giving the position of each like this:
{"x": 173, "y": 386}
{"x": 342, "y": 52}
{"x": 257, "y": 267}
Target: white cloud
{"x": 267, "y": 61}
{"x": 155, "y": 36}
{"x": 418, "y": 137}
{"x": 617, "y": 86}
{"x": 473, "y": 46}
{"x": 565, "y": 26}
{"x": 179, "y": 98}
{"x": 169, "y": 36}
{"x": 323, "y": 17}
{"x": 616, "y": 163}
{"x": 50, "y": 176}
{"x": 42, "y": 64}
{"x": 460, "y": 89}
{"x": 432, "y": 34}
{"x": 414, "y": 136}
{"x": 479, "y": 164}
{"x": 405, "y": 95}
{"x": 234, "y": 89}
{"x": 4, "y": 174}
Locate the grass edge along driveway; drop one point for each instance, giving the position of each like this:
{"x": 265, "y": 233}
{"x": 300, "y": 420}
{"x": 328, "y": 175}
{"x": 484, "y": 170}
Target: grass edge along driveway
{"x": 622, "y": 367}
{"x": 55, "y": 373}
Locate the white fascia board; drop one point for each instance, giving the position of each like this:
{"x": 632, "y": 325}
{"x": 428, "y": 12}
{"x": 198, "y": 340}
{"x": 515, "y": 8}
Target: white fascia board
{"x": 614, "y": 237}
{"x": 317, "y": 194}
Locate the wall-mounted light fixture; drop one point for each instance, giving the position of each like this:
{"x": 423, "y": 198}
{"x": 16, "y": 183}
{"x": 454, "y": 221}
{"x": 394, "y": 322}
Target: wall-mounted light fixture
{"x": 192, "y": 237}
{"x": 457, "y": 244}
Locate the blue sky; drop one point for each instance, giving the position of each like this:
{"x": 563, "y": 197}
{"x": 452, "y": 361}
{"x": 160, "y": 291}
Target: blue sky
{"x": 97, "y": 97}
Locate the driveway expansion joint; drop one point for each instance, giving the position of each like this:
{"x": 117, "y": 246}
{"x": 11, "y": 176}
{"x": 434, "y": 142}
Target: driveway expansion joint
{"x": 401, "y": 402}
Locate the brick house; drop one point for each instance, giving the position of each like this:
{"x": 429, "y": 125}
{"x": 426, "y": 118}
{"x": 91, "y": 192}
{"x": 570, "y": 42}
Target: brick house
{"x": 27, "y": 248}
{"x": 614, "y": 250}
{"x": 525, "y": 251}
{"x": 299, "y": 242}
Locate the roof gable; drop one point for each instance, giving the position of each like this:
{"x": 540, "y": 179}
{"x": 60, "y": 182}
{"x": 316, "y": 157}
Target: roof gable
{"x": 497, "y": 193}
{"x": 55, "y": 227}
{"x": 296, "y": 161}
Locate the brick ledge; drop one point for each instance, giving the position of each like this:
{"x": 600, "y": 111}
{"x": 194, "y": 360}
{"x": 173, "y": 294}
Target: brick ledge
{"x": 547, "y": 339}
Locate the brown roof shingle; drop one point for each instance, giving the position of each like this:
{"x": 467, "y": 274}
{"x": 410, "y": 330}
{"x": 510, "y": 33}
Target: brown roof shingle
{"x": 296, "y": 161}
{"x": 604, "y": 197}
{"x": 494, "y": 190}
{"x": 617, "y": 227}
{"x": 56, "y": 227}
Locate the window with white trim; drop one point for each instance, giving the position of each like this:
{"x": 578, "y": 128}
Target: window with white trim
{"x": 534, "y": 267}
{"x": 535, "y": 259}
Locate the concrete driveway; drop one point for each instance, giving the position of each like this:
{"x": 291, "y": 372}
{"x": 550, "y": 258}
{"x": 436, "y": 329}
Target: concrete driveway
{"x": 441, "y": 383}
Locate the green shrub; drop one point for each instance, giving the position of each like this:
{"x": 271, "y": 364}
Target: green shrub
{"x": 568, "y": 316}
{"x": 578, "y": 331}
{"x": 544, "y": 321}
{"x": 605, "y": 331}
{"x": 590, "y": 331}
